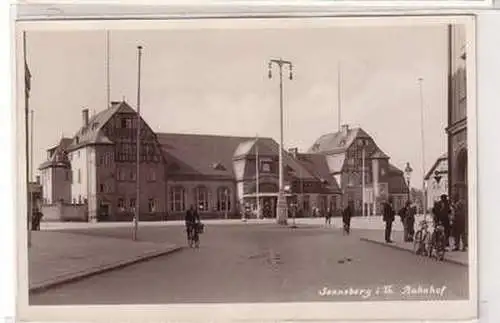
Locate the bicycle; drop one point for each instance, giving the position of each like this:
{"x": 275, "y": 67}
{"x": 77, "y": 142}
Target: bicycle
{"x": 438, "y": 243}
{"x": 193, "y": 236}
{"x": 421, "y": 242}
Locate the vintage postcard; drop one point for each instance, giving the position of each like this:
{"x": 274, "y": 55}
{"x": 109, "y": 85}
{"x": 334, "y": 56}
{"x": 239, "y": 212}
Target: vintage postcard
{"x": 247, "y": 169}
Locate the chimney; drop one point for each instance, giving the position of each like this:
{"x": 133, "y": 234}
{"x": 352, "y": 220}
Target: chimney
{"x": 345, "y": 129}
{"x": 85, "y": 117}
{"x": 293, "y": 151}
{"x": 38, "y": 179}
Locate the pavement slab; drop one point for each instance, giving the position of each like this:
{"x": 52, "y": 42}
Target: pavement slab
{"x": 59, "y": 257}
{"x": 456, "y": 257}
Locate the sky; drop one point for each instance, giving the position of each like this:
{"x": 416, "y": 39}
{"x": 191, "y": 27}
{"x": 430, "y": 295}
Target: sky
{"x": 215, "y": 82}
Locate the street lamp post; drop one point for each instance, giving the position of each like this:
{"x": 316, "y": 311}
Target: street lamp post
{"x": 226, "y": 202}
{"x": 422, "y": 135}
{"x": 138, "y": 148}
{"x": 408, "y": 171}
{"x": 281, "y": 203}
{"x": 363, "y": 143}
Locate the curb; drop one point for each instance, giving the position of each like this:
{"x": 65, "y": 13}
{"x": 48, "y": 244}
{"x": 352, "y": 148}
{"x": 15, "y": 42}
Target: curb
{"x": 99, "y": 270}
{"x": 452, "y": 261}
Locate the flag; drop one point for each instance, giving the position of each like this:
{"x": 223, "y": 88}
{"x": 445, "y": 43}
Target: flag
{"x": 27, "y": 79}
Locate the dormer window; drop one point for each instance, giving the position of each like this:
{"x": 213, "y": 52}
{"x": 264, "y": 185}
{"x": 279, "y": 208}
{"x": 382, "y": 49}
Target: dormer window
{"x": 77, "y": 140}
{"x": 218, "y": 166}
{"x": 342, "y": 143}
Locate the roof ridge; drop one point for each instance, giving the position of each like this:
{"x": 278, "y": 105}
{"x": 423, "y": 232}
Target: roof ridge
{"x": 249, "y": 138}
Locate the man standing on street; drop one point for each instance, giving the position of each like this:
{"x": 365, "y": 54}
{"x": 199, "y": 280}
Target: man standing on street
{"x": 444, "y": 217}
{"x": 389, "y": 215}
{"x": 459, "y": 223}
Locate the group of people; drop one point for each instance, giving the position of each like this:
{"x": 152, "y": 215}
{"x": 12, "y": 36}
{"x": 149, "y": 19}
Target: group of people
{"x": 451, "y": 215}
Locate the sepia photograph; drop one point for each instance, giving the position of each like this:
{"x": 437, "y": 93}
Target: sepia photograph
{"x": 256, "y": 162}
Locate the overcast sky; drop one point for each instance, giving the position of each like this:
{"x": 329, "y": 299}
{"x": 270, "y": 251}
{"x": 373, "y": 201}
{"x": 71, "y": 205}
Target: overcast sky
{"x": 215, "y": 82}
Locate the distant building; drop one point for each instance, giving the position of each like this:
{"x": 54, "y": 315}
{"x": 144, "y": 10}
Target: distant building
{"x": 96, "y": 168}
{"x": 437, "y": 180}
{"x": 55, "y": 174}
{"x": 457, "y": 113}
{"x": 343, "y": 153}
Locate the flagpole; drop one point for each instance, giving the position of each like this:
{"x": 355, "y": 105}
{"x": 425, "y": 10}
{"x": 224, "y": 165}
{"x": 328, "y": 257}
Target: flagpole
{"x": 26, "y": 124}
{"x": 257, "y": 179}
{"x": 32, "y": 141}
{"x": 108, "y": 86}
{"x": 339, "y": 98}
{"x": 138, "y": 139}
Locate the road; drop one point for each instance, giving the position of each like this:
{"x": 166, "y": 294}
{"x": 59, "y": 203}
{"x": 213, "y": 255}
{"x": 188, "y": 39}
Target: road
{"x": 263, "y": 263}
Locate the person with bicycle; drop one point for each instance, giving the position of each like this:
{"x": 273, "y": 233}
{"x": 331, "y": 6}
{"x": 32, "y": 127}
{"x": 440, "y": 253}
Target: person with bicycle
{"x": 192, "y": 221}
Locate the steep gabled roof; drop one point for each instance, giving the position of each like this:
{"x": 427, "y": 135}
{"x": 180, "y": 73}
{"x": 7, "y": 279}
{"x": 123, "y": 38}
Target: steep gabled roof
{"x": 92, "y": 133}
{"x": 317, "y": 165}
{"x": 212, "y": 155}
{"x": 58, "y": 155}
{"x": 193, "y": 154}
{"x": 443, "y": 157}
{"x": 337, "y": 142}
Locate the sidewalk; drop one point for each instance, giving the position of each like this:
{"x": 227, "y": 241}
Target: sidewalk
{"x": 456, "y": 257}
{"x": 56, "y": 257}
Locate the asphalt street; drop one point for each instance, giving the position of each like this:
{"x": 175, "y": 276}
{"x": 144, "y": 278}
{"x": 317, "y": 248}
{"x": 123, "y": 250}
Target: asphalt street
{"x": 264, "y": 263}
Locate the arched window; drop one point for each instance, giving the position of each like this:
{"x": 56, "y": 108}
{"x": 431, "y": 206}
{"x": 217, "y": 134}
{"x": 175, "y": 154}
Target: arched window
{"x": 177, "y": 199}
{"x": 201, "y": 198}
{"x": 223, "y": 199}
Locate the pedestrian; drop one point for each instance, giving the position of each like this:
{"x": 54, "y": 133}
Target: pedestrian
{"x": 435, "y": 212}
{"x": 346, "y": 218}
{"x": 412, "y": 212}
{"x": 459, "y": 224}
{"x": 328, "y": 217}
{"x": 402, "y": 216}
{"x": 444, "y": 213}
{"x": 192, "y": 220}
{"x": 388, "y": 218}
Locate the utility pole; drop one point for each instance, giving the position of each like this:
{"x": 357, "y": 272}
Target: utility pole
{"x": 27, "y": 88}
{"x": 108, "y": 82}
{"x": 422, "y": 135}
{"x": 339, "y": 97}
{"x": 257, "y": 175}
{"x": 138, "y": 139}
{"x": 281, "y": 210}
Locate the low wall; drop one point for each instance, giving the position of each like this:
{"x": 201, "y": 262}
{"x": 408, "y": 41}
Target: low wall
{"x": 62, "y": 212}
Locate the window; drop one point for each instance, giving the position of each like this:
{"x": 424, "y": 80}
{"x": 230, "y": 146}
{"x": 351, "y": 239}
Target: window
{"x": 68, "y": 177}
{"x": 201, "y": 198}
{"x": 121, "y": 174}
{"x": 177, "y": 199}
{"x": 132, "y": 174}
{"x": 79, "y": 199}
{"x": 132, "y": 203}
{"x": 102, "y": 160}
{"x": 121, "y": 204}
{"x": 101, "y": 188}
{"x": 78, "y": 152}
{"x": 79, "y": 176}
{"x": 306, "y": 203}
{"x": 151, "y": 175}
{"x": 223, "y": 199}
{"x": 152, "y": 205}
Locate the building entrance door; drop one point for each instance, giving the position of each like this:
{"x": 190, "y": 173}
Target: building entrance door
{"x": 269, "y": 207}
